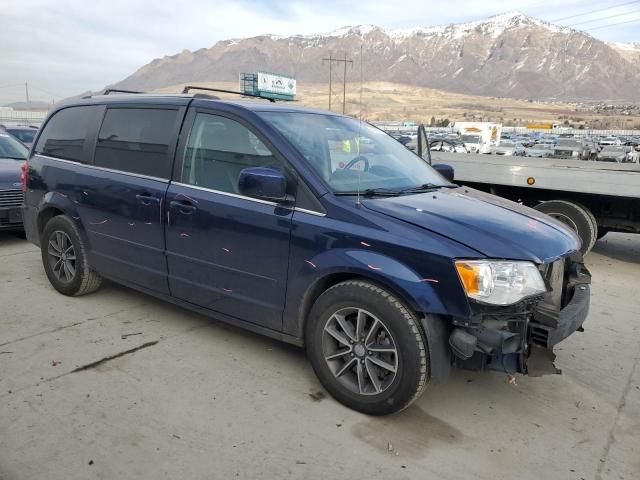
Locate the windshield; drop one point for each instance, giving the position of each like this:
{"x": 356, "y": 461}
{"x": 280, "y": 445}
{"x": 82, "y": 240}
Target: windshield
{"x": 470, "y": 138}
{"x": 12, "y": 148}
{"x": 352, "y": 156}
{"x": 25, "y": 136}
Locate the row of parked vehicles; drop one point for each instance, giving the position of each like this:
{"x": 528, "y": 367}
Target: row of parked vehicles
{"x": 605, "y": 149}
{"x": 306, "y": 226}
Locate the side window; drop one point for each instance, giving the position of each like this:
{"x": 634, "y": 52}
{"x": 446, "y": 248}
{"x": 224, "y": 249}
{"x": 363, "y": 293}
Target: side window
{"x": 65, "y": 133}
{"x": 218, "y": 150}
{"x": 136, "y": 140}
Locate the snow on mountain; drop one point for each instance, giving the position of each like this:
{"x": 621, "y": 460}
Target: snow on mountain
{"x": 628, "y": 51}
{"x": 509, "y": 55}
{"x": 493, "y": 26}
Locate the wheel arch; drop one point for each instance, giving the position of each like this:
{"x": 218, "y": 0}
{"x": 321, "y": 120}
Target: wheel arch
{"x": 45, "y": 215}
{"x": 53, "y": 204}
{"x": 325, "y": 282}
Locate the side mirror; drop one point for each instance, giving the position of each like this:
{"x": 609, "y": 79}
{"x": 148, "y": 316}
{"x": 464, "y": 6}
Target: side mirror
{"x": 264, "y": 183}
{"x": 445, "y": 170}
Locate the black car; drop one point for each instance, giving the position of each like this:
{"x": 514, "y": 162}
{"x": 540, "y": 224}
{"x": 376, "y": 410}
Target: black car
{"x": 12, "y": 157}
{"x": 24, "y": 133}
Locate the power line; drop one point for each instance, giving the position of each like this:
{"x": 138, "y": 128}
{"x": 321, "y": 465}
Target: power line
{"x": 45, "y": 91}
{"x": 595, "y": 11}
{"x": 605, "y": 18}
{"x": 12, "y": 85}
{"x": 31, "y": 87}
{"x": 613, "y": 24}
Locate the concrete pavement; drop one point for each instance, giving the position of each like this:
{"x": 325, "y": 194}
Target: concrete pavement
{"x": 120, "y": 385}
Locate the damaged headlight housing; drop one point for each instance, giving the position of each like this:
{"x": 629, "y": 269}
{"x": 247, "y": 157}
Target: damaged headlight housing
{"x": 499, "y": 282}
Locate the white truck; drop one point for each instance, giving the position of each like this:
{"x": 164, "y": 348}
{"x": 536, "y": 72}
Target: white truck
{"x": 591, "y": 197}
{"x": 479, "y": 137}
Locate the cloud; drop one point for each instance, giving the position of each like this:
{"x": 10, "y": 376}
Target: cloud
{"x": 69, "y": 46}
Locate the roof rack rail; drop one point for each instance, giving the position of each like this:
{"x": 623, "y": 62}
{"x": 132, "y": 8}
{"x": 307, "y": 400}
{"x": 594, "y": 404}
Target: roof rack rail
{"x": 117, "y": 90}
{"x": 193, "y": 87}
{"x": 206, "y": 95}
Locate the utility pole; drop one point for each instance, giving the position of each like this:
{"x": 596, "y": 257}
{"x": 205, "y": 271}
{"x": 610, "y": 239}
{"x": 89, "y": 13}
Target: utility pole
{"x": 344, "y": 60}
{"x": 344, "y": 83}
{"x": 330, "y": 78}
{"x": 26, "y": 89}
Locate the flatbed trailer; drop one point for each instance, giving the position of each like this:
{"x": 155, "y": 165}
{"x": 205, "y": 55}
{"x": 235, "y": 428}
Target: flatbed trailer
{"x": 591, "y": 197}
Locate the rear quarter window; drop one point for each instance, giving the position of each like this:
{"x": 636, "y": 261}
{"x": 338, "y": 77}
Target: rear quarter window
{"x": 137, "y": 140}
{"x": 65, "y": 134}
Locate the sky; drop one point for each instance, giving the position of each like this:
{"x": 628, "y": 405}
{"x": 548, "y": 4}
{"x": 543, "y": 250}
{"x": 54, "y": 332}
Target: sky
{"x": 65, "y": 47}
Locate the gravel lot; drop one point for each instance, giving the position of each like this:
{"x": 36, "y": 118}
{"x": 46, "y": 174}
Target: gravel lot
{"x": 120, "y": 385}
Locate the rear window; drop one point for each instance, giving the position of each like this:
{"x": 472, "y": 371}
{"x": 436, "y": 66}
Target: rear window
{"x": 25, "y": 136}
{"x": 65, "y": 133}
{"x": 136, "y": 140}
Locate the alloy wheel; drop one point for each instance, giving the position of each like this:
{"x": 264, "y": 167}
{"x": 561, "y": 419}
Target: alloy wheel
{"x": 62, "y": 256}
{"x": 360, "y": 351}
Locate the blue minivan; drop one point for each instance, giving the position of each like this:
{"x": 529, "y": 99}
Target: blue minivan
{"x": 310, "y": 227}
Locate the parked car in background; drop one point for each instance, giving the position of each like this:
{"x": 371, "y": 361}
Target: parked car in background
{"x": 24, "y": 133}
{"x": 507, "y": 147}
{"x": 540, "y": 150}
{"x": 403, "y": 139}
{"x": 13, "y": 154}
{"x": 444, "y": 145}
{"x": 385, "y": 271}
{"x": 619, "y": 154}
{"x": 610, "y": 141}
{"x": 570, "y": 148}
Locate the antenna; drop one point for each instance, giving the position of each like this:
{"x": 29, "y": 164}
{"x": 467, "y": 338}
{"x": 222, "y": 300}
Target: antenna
{"x": 358, "y": 204}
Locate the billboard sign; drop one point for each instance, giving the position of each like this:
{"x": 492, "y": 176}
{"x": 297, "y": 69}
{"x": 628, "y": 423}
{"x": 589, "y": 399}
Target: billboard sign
{"x": 271, "y": 83}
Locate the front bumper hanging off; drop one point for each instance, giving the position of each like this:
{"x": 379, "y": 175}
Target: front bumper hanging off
{"x": 520, "y": 338}
{"x": 570, "y": 319}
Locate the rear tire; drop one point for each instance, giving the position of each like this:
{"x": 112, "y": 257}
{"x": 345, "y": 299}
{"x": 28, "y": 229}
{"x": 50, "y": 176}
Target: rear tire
{"x": 64, "y": 257}
{"x": 367, "y": 348}
{"x": 574, "y": 216}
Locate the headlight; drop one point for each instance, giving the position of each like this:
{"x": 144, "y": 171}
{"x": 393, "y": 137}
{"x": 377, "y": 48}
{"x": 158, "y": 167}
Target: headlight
{"x": 499, "y": 282}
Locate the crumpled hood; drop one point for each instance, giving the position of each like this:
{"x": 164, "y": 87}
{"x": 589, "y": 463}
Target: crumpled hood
{"x": 493, "y": 226}
{"x": 10, "y": 171}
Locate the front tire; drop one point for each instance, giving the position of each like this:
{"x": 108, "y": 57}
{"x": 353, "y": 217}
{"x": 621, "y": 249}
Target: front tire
{"x": 367, "y": 348}
{"x": 64, "y": 257}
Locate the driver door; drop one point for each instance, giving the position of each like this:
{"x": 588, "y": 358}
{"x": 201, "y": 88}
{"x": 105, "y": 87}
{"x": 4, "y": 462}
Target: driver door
{"x": 225, "y": 251}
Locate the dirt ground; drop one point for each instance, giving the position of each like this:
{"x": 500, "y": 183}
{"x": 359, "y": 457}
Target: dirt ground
{"x": 400, "y": 102}
{"x": 120, "y": 385}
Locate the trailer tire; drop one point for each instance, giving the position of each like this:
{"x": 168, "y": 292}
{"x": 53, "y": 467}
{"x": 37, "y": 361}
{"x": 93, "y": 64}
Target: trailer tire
{"x": 594, "y": 222}
{"x": 576, "y": 217}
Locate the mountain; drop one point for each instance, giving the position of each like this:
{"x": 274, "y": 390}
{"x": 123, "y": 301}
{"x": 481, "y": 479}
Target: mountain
{"x": 509, "y": 55}
{"x": 628, "y": 51}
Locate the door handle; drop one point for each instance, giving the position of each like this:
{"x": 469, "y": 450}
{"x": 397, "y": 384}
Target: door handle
{"x": 183, "y": 206}
{"x": 147, "y": 198}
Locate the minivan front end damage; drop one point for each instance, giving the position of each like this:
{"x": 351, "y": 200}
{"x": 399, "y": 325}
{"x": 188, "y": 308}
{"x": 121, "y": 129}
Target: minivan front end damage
{"x": 520, "y": 337}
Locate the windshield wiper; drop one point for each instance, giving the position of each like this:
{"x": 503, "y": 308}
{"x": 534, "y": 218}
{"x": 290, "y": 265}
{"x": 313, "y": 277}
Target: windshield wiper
{"x": 425, "y": 187}
{"x": 14, "y": 158}
{"x": 373, "y": 192}
{"x": 387, "y": 192}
